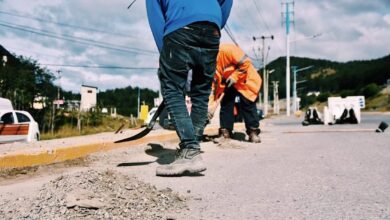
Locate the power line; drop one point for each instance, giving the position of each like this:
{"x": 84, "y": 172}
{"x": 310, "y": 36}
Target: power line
{"x": 252, "y": 20}
{"x": 66, "y": 25}
{"x": 100, "y": 67}
{"x": 36, "y": 54}
{"x": 251, "y": 15}
{"x": 230, "y": 34}
{"x": 261, "y": 17}
{"x": 80, "y": 40}
{"x": 131, "y": 4}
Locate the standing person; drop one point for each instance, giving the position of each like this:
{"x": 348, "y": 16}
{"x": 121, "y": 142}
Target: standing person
{"x": 187, "y": 34}
{"x": 236, "y": 72}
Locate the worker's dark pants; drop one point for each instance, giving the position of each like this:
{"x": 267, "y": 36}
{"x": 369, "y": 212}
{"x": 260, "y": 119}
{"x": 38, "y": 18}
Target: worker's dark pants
{"x": 247, "y": 110}
{"x": 195, "y": 47}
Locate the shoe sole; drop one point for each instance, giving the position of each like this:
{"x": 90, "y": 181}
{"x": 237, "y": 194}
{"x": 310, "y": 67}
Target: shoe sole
{"x": 180, "y": 172}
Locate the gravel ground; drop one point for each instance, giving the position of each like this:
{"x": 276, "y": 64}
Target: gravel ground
{"x": 95, "y": 194}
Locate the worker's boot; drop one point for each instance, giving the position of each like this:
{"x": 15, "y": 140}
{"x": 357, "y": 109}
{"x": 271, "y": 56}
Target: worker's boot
{"x": 188, "y": 160}
{"x": 253, "y": 134}
{"x": 224, "y": 135}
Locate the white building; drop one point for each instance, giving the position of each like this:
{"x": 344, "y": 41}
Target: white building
{"x": 88, "y": 97}
{"x": 5, "y": 104}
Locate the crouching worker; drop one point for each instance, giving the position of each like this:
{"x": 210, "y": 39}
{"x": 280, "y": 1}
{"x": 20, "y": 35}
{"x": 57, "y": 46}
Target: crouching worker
{"x": 235, "y": 76}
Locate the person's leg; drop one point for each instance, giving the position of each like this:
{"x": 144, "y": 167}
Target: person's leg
{"x": 251, "y": 118}
{"x": 173, "y": 71}
{"x": 173, "y": 76}
{"x": 200, "y": 92}
{"x": 203, "y": 67}
{"x": 180, "y": 53}
{"x": 226, "y": 115}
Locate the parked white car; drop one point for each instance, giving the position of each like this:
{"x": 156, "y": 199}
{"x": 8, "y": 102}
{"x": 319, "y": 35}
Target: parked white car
{"x": 17, "y": 125}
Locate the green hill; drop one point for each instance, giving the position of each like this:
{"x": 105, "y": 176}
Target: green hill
{"x": 363, "y": 77}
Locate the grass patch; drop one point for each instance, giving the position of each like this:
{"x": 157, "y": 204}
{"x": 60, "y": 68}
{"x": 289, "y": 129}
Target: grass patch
{"x": 378, "y": 103}
{"x": 107, "y": 124}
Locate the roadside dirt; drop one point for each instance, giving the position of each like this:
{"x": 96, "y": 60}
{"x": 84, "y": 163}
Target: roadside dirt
{"x": 9, "y": 175}
{"x": 86, "y": 188}
{"x": 94, "y": 194}
{"x": 85, "y": 193}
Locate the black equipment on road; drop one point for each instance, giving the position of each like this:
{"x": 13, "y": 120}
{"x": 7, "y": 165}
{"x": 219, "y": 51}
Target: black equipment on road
{"x": 148, "y": 128}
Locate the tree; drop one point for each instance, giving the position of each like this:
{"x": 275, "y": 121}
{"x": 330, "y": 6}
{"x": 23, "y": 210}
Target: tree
{"x": 370, "y": 90}
{"x": 22, "y": 80}
{"x": 126, "y": 99}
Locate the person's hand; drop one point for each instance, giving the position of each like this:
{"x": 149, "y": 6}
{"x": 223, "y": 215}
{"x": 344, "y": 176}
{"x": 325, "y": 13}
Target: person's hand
{"x": 230, "y": 81}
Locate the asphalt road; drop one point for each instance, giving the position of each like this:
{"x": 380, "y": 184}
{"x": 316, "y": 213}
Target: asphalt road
{"x": 312, "y": 172}
{"x": 321, "y": 175}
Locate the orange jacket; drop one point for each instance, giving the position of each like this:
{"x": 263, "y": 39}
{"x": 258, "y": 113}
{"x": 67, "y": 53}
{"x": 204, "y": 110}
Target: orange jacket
{"x": 232, "y": 62}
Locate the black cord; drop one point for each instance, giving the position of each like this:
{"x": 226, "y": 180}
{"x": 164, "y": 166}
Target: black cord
{"x": 131, "y": 4}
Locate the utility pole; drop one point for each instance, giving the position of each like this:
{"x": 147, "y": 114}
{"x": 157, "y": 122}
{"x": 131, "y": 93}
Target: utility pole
{"x": 58, "y": 104}
{"x": 295, "y": 71}
{"x": 265, "y": 78}
{"x": 276, "y": 96}
{"x": 4, "y": 61}
{"x": 266, "y": 88}
{"x": 287, "y": 21}
{"x": 58, "y": 88}
{"x": 138, "y": 103}
{"x": 258, "y": 67}
{"x": 256, "y": 56}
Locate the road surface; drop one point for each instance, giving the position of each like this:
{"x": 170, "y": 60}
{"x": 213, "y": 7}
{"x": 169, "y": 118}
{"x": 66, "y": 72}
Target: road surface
{"x": 313, "y": 172}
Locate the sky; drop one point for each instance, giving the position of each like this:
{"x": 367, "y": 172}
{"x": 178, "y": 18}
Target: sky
{"x": 73, "y": 37}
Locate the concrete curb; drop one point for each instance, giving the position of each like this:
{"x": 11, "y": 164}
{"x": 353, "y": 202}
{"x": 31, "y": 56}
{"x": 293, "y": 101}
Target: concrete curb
{"x": 28, "y": 159}
{"x": 60, "y": 154}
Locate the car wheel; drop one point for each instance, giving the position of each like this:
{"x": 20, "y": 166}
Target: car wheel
{"x": 36, "y": 137}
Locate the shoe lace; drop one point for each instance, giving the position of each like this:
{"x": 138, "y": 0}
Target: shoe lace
{"x": 183, "y": 153}
{"x": 179, "y": 153}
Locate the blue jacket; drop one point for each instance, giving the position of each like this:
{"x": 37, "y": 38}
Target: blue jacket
{"x": 166, "y": 16}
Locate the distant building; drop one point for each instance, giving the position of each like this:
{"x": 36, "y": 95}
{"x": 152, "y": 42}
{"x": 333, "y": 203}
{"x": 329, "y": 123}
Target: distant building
{"x": 6, "y": 58}
{"x": 113, "y": 112}
{"x": 39, "y": 102}
{"x": 88, "y": 97}
{"x": 313, "y": 93}
{"x": 72, "y": 105}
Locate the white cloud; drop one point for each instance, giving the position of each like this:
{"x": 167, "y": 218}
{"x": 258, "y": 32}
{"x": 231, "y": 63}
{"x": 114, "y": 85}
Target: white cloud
{"x": 386, "y": 18}
{"x": 350, "y": 30}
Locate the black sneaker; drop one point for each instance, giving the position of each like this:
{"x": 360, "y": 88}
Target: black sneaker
{"x": 187, "y": 160}
{"x": 224, "y": 136}
{"x": 253, "y": 134}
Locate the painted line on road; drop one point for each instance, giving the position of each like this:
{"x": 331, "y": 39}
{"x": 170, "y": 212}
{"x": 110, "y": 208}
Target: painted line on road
{"x": 329, "y": 131}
